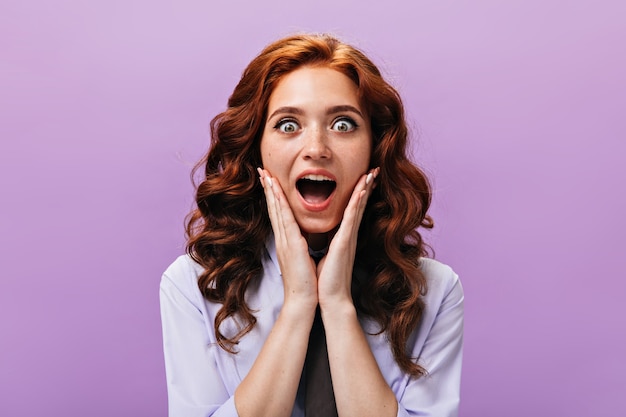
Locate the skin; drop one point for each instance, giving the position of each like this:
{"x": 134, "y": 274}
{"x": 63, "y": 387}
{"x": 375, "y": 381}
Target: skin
{"x": 316, "y": 125}
{"x": 316, "y": 137}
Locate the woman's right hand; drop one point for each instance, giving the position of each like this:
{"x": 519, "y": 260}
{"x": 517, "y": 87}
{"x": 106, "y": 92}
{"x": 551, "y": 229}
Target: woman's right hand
{"x": 260, "y": 393}
{"x": 296, "y": 265}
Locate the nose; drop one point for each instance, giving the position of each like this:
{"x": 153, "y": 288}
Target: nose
{"x": 316, "y": 145}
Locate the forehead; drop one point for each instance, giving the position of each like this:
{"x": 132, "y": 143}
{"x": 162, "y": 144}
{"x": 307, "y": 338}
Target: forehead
{"x": 314, "y": 87}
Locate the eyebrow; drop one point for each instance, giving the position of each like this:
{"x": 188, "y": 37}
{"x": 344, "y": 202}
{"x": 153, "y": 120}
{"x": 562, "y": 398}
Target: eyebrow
{"x": 344, "y": 108}
{"x": 331, "y": 110}
{"x": 287, "y": 110}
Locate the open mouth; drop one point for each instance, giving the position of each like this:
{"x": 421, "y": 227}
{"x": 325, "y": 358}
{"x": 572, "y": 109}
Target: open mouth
{"x": 315, "y": 189}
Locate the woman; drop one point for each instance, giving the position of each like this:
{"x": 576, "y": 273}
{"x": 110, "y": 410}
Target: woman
{"x": 306, "y": 284}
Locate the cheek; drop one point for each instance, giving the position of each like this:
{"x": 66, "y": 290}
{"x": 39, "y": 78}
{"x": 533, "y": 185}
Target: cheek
{"x": 360, "y": 162}
{"x": 267, "y": 154}
{"x": 273, "y": 160}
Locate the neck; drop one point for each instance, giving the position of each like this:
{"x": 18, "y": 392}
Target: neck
{"x": 317, "y": 241}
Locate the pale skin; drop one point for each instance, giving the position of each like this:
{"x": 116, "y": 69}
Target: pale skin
{"x": 324, "y": 128}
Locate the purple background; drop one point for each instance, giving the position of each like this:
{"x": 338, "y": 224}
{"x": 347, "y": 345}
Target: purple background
{"x": 518, "y": 107}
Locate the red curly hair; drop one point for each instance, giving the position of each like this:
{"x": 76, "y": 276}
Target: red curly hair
{"x": 228, "y": 229}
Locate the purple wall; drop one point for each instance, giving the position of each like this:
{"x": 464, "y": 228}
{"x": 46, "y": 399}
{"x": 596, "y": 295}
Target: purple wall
{"x": 519, "y": 109}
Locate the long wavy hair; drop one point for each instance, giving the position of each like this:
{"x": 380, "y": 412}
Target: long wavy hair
{"x": 228, "y": 229}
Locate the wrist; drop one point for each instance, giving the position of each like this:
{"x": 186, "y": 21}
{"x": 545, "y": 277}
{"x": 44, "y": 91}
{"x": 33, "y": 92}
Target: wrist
{"x": 299, "y": 309}
{"x": 338, "y": 310}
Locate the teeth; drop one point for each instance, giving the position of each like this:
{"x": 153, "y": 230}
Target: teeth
{"x": 313, "y": 177}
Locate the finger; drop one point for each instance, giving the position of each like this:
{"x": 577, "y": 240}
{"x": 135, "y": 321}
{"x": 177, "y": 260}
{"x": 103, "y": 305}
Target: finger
{"x": 285, "y": 215}
{"x": 272, "y": 209}
{"x": 260, "y": 171}
{"x": 353, "y": 214}
{"x": 284, "y": 224}
{"x": 358, "y": 200}
{"x": 277, "y": 211}
{"x": 370, "y": 183}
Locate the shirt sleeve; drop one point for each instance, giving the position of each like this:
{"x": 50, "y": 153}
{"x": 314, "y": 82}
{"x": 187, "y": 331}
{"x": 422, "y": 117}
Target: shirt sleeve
{"x": 194, "y": 384}
{"x": 437, "y": 393}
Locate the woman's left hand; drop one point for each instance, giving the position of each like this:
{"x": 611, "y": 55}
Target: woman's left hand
{"x": 334, "y": 270}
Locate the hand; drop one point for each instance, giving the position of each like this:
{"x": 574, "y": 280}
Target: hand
{"x": 334, "y": 271}
{"x": 296, "y": 265}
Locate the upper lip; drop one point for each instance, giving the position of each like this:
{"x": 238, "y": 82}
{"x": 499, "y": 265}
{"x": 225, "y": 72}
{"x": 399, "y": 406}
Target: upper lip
{"x": 316, "y": 175}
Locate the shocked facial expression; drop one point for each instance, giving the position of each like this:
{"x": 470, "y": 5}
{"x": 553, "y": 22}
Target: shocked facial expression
{"x": 317, "y": 143}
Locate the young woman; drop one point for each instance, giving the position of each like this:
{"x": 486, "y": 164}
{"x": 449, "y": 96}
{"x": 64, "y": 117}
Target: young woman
{"x": 306, "y": 290}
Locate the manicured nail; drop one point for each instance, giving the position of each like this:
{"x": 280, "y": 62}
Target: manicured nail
{"x": 368, "y": 179}
{"x": 269, "y": 181}
{"x": 260, "y": 171}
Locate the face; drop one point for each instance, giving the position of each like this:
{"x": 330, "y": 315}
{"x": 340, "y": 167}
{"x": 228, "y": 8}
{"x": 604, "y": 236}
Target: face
{"x": 317, "y": 143}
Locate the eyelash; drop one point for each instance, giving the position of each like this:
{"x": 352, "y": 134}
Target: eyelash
{"x": 282, "y": 122}
{"x": 347, "y": 119}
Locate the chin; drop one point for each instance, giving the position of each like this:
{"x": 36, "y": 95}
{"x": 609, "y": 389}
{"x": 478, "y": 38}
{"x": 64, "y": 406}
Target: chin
{"x": 317, "y": 227}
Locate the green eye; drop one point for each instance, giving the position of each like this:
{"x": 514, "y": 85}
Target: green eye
{"x": 287, "y": 126}
{"x": 344, "y": 125}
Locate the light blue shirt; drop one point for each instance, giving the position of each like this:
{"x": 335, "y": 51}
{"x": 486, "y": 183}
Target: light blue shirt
{"x": 202, "y": 377}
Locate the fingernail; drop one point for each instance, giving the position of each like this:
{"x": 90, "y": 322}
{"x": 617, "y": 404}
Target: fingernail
{"x": 368, "y": 179}
{"x": 269, "y": 181}
{"x": 260, "y": 172}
